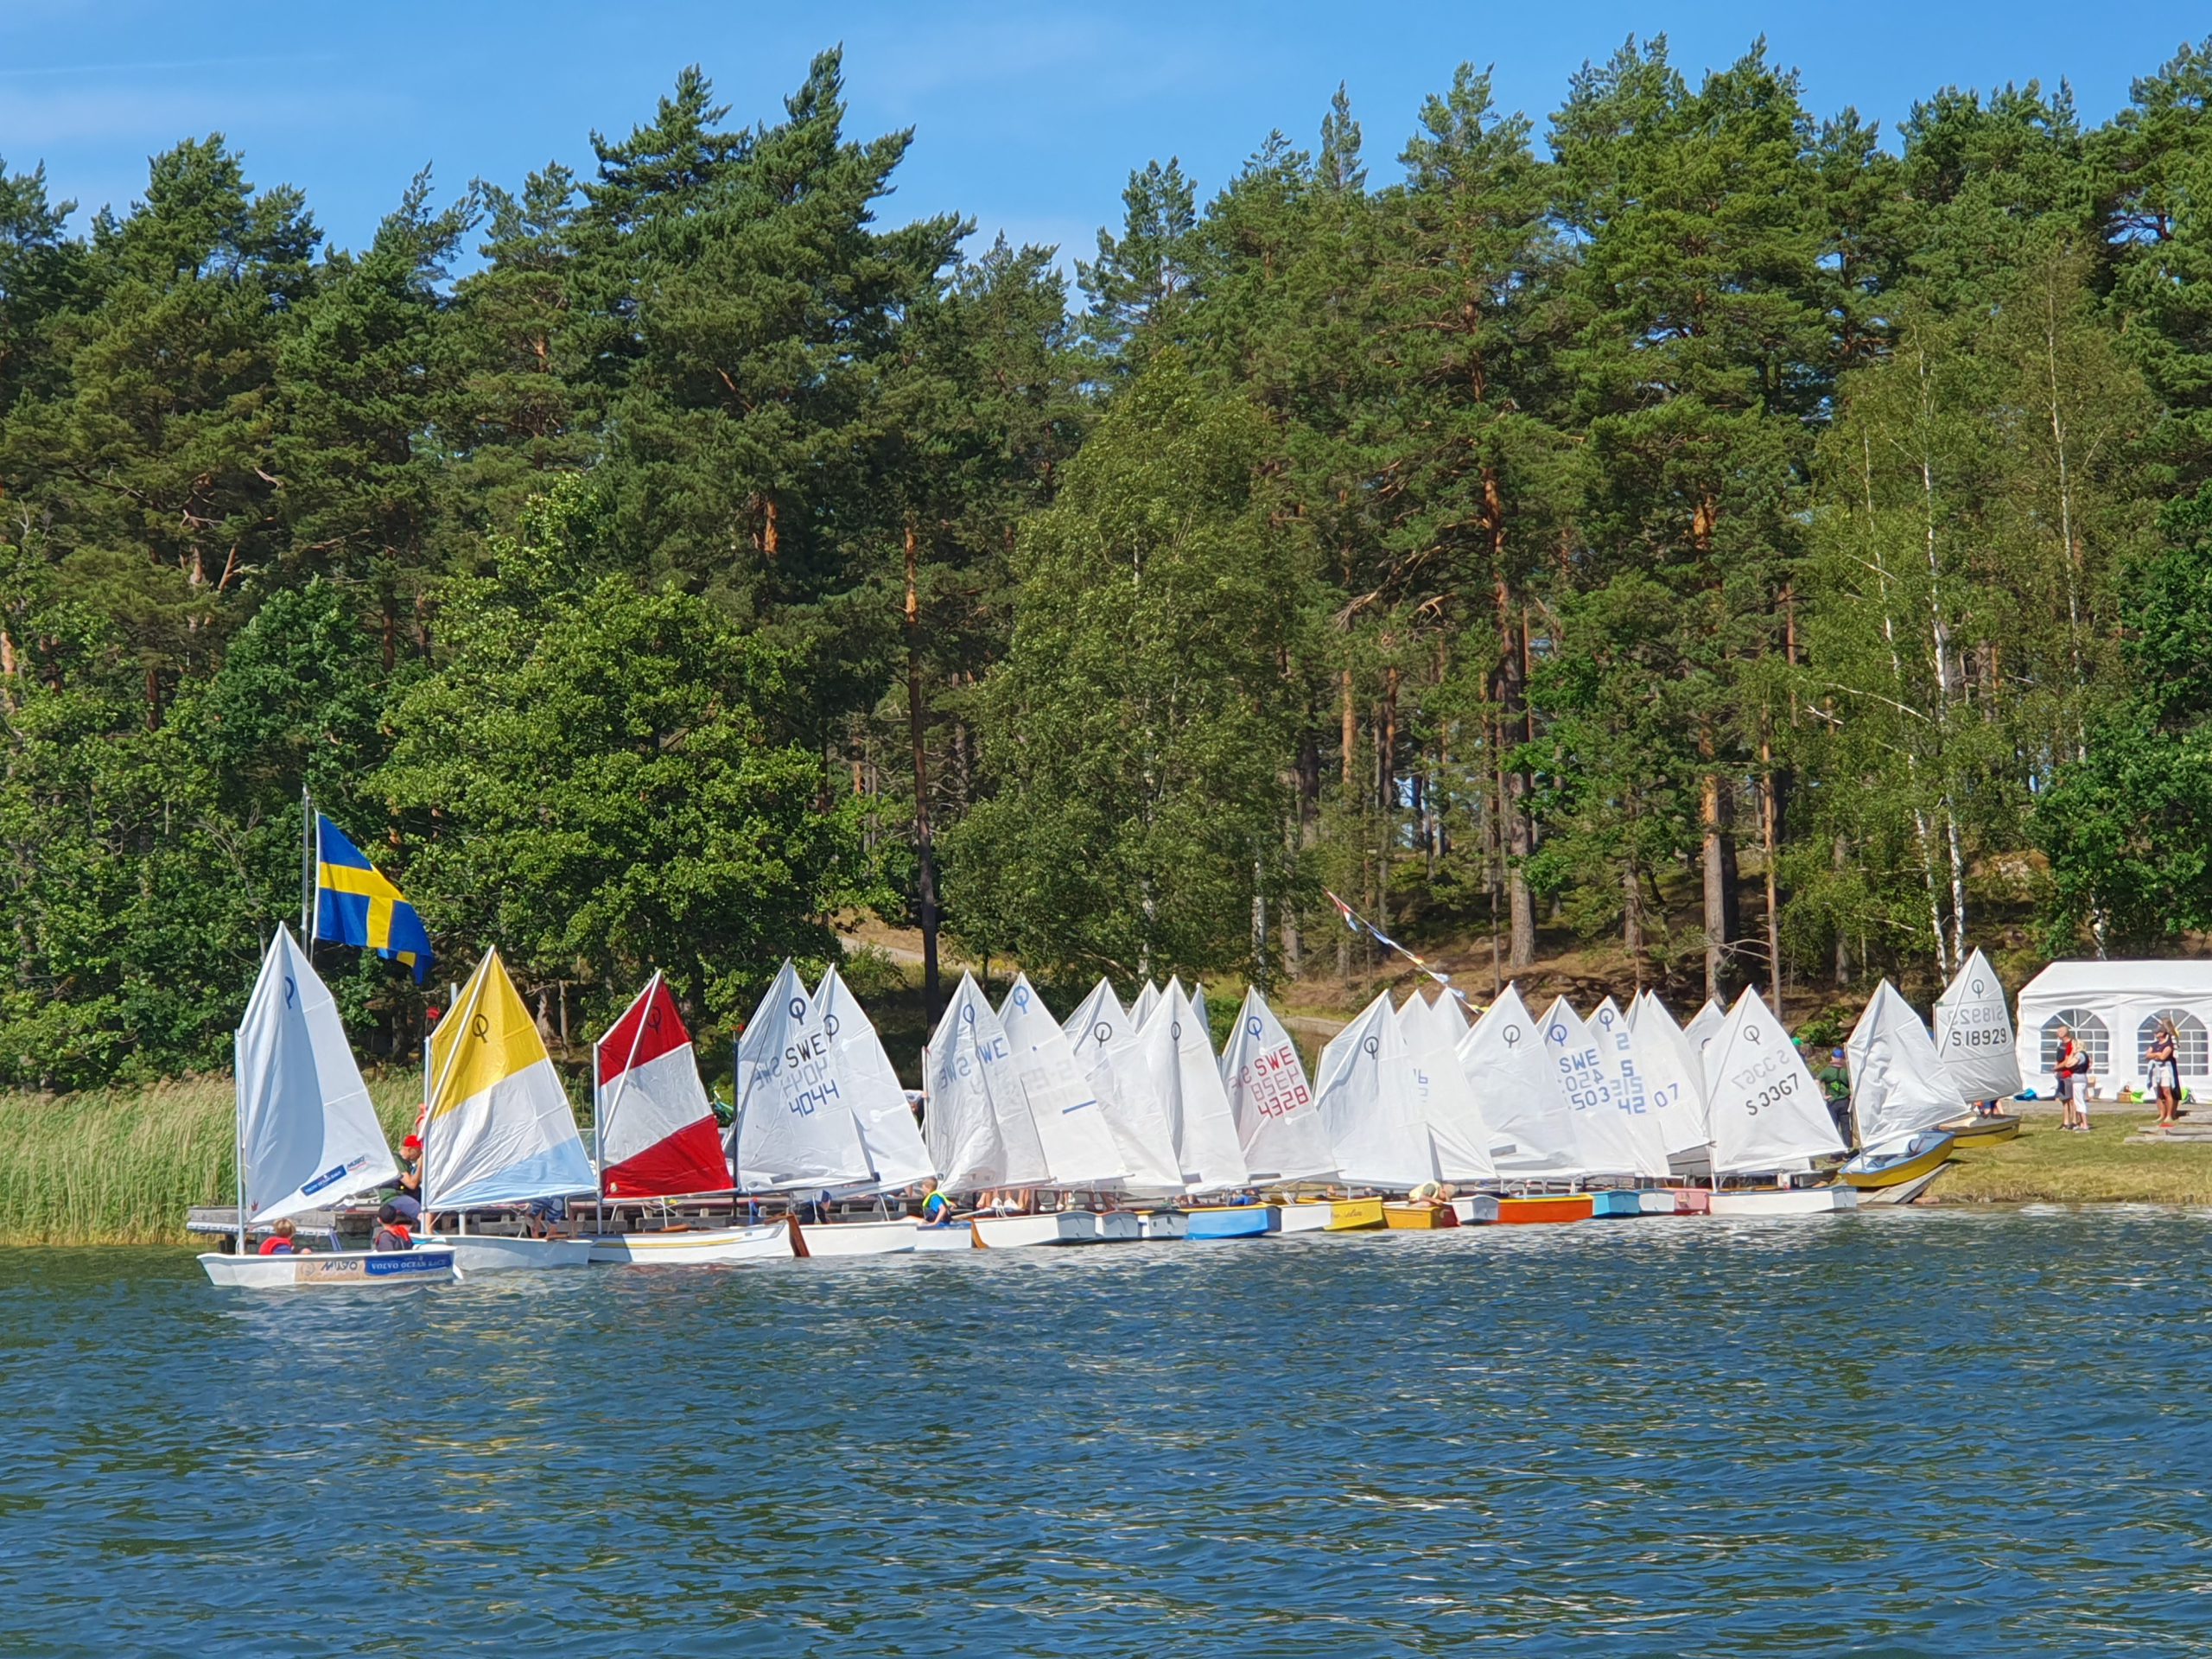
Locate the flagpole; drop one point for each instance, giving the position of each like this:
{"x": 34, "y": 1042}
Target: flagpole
{"x": 307, "y": 867}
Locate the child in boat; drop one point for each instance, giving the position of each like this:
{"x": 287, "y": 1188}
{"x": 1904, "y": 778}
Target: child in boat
{"x": 937, "y": 1205}
{"x": 1431, "y": 1195}
{"x": 392, "y": 1233}
{"x": 280, "y": 1242}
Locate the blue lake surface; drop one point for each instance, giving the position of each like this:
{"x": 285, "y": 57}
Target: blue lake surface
{"x": 1951, "y": 1434}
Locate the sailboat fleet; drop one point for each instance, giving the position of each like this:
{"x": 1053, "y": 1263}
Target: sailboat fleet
{"x": 1116, "y": 1123}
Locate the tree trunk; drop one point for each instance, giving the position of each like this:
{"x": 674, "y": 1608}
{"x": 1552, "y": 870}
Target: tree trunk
{"x": 1513, "y": 792}
{"x": 1769, "y": 843}
{"x": 925, "y": 844}
{"x": 1717, "y": 858}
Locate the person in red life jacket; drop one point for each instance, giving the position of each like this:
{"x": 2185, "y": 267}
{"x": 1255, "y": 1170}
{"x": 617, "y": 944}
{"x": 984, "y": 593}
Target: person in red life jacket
{"x": 407, "y": 1190}
{"x": 280, "y": 1242}
{"x": 391, "y": 1232}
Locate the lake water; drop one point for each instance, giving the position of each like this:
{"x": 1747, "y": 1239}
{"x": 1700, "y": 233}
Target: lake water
{"x": 1949, "y": 1433}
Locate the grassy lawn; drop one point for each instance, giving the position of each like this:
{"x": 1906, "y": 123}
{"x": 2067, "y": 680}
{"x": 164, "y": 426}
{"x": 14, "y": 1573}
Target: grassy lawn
{"x": 2045, "y": 1164}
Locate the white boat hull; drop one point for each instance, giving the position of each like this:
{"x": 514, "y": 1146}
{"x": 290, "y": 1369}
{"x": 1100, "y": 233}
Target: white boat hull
{"x": 840, "y": 1238}
{"x": 475, "y": 1253}
{"x": 1475, "y": 1209}
{"x": 1298, "y": 1218}
{"x": 1020, "y": 1232}
{"x": 1656, "y": 1201}
{"x": 1785, "y": 1201}
{"x": 1118, "y": 1226}
{"x": 708, "y": 1247}
{"x": 1160, "y": 1224}
{"x": 387, "y": 1268}
{"x": 956, "y": 1235}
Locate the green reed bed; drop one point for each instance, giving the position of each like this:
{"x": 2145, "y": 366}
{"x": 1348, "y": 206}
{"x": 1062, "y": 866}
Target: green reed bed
{"x": 122, "y": 1165}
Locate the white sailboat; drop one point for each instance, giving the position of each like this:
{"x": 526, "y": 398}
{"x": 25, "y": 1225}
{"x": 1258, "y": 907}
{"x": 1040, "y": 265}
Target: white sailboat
{"x": 1142, "y": 1009}
{"x": 1071, "y": 1126}
{"x": 1673, "y": 1078}
{"x": 978, "y": 1126}
{"x": 1102, "y": 1037}
{"x": 1457, "y": 1129}
{"x": 1187, "y": 1079}
{"x": 1532, "y": 1127}
{"x": 1603, "y": 1142}
{"x": 1974, "y": 1033}
{"x": 1279, "y": 1127}
{"x": 1610, "y": 1029}
{"x": 1768, "y": 1115}
{"x": 870, "y": 1088}
{"x": 796, "y": 1129}
{"x": 1898, "y": 1087}
{"x": 499, "y": 1129}
{"x": 307, "y": 1135}
{"x": 1370, "y": 1104}
{"x": 658, "y": 1139}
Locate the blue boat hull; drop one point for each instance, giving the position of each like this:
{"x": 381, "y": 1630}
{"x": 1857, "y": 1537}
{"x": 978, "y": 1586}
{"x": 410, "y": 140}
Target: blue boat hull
{"x": 1251, "y": 1221}
{"x": 1616, "y": 1205}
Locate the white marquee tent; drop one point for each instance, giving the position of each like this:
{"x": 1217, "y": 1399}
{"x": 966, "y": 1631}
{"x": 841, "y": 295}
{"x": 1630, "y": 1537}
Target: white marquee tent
{"x": 2113, "y": 1008}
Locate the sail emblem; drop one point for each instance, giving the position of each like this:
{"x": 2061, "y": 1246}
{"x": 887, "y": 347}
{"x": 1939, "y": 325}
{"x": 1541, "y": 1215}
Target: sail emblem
{"x": 1175, "y": 1030}
{"x": 1751, "y": 1034}
{"x": 291, "y": 992}
{"x": 1021, "y": 996}
{"x": 1370, "y": 1045}
{"x": 798, "y": 1008}
{"x": 479, "y": 1027}
{"x": 1104, "y": 1031}
{"x": 1512, "y": 1035}
{"x": 1558, "y": 1034}
{"x": 829, "y": 1024}
{"x": 1253, "y": 1024}
{"x": 1978, "y": 988}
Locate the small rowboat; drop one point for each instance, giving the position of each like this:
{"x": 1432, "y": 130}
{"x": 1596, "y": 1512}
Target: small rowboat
{"x": 1564, "y": 1206}
{"x": 1614, "y": 1204}
{"x": 1419, "y": 1217}
{"x": 1350, "y": 1215}
{"x": 1784, "y": 1200}
{"x": 420, "y": 1266}
{"x": 1967, "y": 1133}
{"x": 1898, "y": 1161}
{"x": 1475, "y": 1209}
{"x": 1232, "y": 1221}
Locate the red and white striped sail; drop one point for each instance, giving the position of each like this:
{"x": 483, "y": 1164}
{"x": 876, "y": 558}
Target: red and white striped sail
{"x": 657, "y": 1131}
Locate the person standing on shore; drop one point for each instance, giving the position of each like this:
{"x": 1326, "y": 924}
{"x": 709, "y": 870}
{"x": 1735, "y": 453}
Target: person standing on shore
{"x": 2073, "y": 1073}
{"x": 2162, "y": 1063}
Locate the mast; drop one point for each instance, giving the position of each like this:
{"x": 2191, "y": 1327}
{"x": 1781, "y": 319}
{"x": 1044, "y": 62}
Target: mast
{"x": 430, "y": 1097}
{"x": 238, "y": 1162}
{"x": 307, "y": 868}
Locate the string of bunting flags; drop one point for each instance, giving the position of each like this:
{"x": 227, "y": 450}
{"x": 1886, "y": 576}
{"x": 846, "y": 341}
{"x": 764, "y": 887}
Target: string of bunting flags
{"x": 1359, "y": 923}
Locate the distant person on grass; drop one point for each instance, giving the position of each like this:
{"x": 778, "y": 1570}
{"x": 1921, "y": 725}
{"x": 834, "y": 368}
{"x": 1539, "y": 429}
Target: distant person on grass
{"x": 2162, "y": 1063}
{"x": 2073, "y": 1081}
{"x": 1835, "y": 1083}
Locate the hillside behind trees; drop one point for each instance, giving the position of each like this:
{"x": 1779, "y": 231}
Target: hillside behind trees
{"x": 1683, "y": 521}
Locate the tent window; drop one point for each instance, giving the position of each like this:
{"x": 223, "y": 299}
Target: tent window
{"x": 2088, "y": 1030}
{"x": 2191, "y": 1045}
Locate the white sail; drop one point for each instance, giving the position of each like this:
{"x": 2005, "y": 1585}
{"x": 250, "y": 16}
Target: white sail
{"x": 1898, "y": 1085}
{"x": 1531, "y": 1128}
{"x": 1278, "y": 1125}
{"x": 499, "y": 1128}
{"x": 1142, "y": 1009}
{"x": 1601, "y": 1133}
{"x": 977, "y": 1122}
{"x": 794, "y": 1127}
{"x": 1370, "y": 1104}
{"x": 1070, "y": 1127}
{"x": 1103, "y": 1039}
{"x": 1609, "y": 1028}
{"x": 307, "y": 1129}
{"x": 1450, "y": 1010}
{"x": 1198, "y": 1007}
{"x": 1704, "y": 1026}
{"x": 889, "y": 1136}
{"x": 1673, "y": 1076}
{"x": 1767, "y": 1113}
{"x": 1448, "y": 1106}
{"x": 1974, "y": 1033}
{"x": 1188, "y": 1080}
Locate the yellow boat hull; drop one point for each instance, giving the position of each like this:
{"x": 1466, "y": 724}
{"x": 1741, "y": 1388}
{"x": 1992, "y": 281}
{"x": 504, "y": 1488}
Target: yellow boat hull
{"x": 1350, "y": 1215}
{"x": 1419, "y": 1217}
{"x": 1983, "y": 1131}
{"x": 1897, "y": 1171}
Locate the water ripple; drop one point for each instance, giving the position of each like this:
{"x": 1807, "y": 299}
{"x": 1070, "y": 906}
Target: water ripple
{"x": 1919, "y": 1433}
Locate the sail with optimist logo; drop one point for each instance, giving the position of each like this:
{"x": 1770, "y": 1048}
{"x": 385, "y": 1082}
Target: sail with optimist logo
{"x": 1974, "y": 1033}
{"x": 499, "y": 1128}
{"x": 1602, "y": 1143}
{"x": 1278, "y": 1125}
{"x": 1070, "y": 1127}
{"x": 889, "y": 1136}
{"x": 975, "y": 1121}
{"x": 793, "y": 1128}
{"x": 1673, "y": 1077}
{"x": 1187, "y": 1079}
{"x": 1456, "y": 1128}
{"x": 1768, "y": 1112}
{"x": 309, "y": 1136}
{"x": 651, "y": 1117}
{"x": 1624, "y": 1063}
{"x": 1532, "y": 1127}
{"x": 1370, "y": 1104}
{"x": 1102, "y": 1037}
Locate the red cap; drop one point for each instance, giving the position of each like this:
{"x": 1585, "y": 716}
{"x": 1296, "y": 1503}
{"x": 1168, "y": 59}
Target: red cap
{"x": 412, "y": 1143}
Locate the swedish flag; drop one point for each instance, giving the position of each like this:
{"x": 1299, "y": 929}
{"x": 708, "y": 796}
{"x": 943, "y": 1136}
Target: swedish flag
{"x": 356, "y": 905}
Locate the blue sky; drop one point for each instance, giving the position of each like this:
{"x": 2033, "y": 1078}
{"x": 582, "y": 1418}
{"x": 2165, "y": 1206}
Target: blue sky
{"x": 1029, "y": 116}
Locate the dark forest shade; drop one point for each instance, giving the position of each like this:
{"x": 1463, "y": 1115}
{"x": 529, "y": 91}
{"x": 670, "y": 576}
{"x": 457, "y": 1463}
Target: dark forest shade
{"x": 1682, "y": 508}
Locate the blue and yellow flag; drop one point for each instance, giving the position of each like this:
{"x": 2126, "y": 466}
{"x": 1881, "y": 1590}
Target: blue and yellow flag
{"x": 356, "y": 905}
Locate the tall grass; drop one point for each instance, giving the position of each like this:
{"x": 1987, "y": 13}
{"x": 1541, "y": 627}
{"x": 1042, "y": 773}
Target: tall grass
{"x": 122, "y": 1166}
